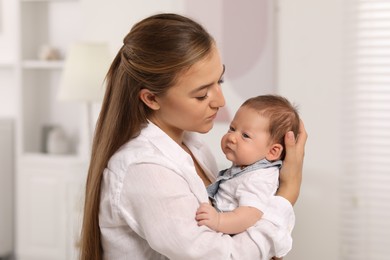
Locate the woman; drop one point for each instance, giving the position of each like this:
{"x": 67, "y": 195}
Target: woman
{"x": 148, "y": 169}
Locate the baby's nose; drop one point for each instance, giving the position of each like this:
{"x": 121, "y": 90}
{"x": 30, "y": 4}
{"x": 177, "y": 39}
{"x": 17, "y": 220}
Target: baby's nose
{"x": 232, "y": 138}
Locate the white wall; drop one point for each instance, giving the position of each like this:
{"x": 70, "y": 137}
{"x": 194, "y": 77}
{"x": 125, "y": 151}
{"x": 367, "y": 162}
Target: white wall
{"x": 309, "y": 67}
{"x": 8, "y": 48}
{"x": 110, "y": 21}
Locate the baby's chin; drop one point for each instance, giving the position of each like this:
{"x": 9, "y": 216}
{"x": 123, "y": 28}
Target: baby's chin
{"x": 234, "y": 161}
{"x": 230, "y": 156}
{"x": 242, "y": 163}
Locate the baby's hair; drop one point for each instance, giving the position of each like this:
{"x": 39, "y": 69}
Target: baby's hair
{"x": 283, "y": 116}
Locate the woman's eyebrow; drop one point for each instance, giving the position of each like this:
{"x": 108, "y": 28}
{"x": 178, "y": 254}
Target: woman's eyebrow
{"x": 210, "y": 84}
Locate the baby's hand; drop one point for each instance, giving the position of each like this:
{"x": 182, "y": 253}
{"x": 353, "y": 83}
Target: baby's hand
{"x": 207, "y": 215}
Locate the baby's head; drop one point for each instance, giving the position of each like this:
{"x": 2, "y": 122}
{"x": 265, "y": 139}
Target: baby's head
{"x": 282, "y": 115}
{"x": 258, "y": 128}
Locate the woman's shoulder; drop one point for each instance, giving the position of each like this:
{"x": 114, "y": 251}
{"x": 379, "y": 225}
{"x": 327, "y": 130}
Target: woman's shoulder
{"x": 150, "y": 146}
{"x": 137, "y": 150}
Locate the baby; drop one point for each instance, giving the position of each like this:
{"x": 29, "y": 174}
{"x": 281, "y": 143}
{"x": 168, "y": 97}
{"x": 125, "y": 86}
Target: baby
{"x": 254, "y": 144}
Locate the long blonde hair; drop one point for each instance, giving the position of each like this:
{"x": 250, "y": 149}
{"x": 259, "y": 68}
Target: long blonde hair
{"x": 154, "y": 52}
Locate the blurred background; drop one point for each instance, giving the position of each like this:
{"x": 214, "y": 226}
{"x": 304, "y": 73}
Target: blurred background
{"x": 331, "y": 58}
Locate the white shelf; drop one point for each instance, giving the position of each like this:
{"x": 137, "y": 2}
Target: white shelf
{"x": 39, "y": 64}
{"x": 51, "y": 160}
{"x": 49, "y": 187}
{"x": 7, "y": 65}
{"x": 28, "y": 1}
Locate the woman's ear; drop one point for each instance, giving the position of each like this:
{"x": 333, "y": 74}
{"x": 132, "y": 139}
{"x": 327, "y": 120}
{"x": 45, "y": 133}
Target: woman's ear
{"x": 274, "y": 152}
{"x": 149, "y": 99}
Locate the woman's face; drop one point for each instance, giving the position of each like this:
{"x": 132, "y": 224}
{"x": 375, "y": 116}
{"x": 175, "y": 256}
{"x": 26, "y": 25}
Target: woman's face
{"x": 193, "y": 102}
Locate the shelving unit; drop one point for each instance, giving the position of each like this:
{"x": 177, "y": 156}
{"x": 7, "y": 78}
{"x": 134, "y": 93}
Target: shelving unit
{"x": 49, "y": 207}
{"x": 41, "y": 24}
{"x": 38, "y": 64}
{"x": 49, "y": 186}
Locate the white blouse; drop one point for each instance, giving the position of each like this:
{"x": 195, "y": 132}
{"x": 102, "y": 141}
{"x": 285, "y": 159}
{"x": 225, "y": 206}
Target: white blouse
{"x": 150, "y": 194}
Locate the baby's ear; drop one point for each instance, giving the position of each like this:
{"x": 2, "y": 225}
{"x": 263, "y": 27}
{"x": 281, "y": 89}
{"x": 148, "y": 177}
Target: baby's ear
{"x": 274, "y": 152}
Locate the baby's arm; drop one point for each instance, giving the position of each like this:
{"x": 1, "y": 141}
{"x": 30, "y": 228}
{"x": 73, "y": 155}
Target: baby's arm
{"x": 232, "y": 222}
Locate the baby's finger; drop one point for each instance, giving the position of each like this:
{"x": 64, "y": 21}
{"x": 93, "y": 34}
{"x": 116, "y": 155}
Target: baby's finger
{"x": 202, "y": 223}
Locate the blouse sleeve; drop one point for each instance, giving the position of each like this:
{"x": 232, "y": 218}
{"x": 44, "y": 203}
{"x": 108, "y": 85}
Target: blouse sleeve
{"x": 257, "y": 189}
{"x": 160, "y": 206}
{"x": 275, "y": 226}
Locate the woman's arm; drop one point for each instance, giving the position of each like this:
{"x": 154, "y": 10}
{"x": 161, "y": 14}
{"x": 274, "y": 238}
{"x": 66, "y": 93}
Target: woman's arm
{"x": 291, "y": 172}
{"x": 279, "y": 218}
{"x": 159, "y": 206}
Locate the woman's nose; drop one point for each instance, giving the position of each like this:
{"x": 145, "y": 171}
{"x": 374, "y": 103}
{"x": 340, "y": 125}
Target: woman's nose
{"x": 218, "y": 100}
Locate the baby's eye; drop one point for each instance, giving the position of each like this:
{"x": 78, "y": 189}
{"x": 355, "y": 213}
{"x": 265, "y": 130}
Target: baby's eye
{"x": 245, "y": 135}
{"x": 231, "y": 129}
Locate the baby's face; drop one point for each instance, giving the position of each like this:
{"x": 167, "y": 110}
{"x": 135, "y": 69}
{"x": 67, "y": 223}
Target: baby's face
{"x": 247, "y": 139}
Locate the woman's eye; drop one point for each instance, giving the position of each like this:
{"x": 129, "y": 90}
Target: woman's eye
{"x": 202, "y": 97}
{"x": 221, "y": 81}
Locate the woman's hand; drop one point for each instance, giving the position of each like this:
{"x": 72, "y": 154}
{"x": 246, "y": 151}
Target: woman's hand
{"x": 291, "y": 173}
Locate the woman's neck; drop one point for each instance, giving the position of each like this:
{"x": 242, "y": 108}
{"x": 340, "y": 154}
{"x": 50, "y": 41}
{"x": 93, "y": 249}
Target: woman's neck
{"x": 199, "y": 170}
{"x": 175, "y": 134}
